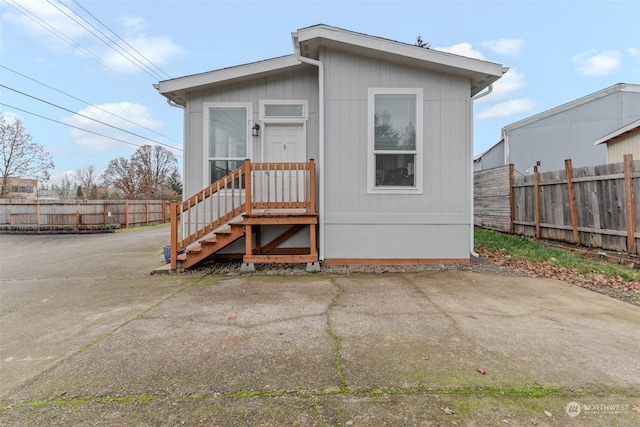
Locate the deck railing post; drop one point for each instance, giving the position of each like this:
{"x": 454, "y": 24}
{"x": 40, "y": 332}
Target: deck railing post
{"x": 247, "y": 186}
{"x": 312, "y": 186}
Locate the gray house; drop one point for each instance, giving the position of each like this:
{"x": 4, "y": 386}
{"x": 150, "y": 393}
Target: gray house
{"x": 388, "y": 126}
{"x": 565, "y": 132}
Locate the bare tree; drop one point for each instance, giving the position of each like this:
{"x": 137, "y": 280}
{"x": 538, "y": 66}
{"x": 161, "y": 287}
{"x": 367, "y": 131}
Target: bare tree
{"x": 87, "y": 178}
{"x": 154, "y": 165}
{"x": 64, "y": 185}
{"x": 20, "y": 156}
{"x": 146, "y": 175}
{"x": 121, "y": 176}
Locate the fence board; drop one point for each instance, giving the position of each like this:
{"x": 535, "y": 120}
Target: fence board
{"x": 68, "y": 215}
{"x": 600, "y": 205}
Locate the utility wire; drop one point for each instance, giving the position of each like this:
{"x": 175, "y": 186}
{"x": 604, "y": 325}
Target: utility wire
{"x": 63, "y": 37}
{"x": 113, "y": 45}
{"x": 90, "y": 118}
{"x": 123, "y": 40}
{"x": 71, "y": 126}
{"x": 87, "y": 103}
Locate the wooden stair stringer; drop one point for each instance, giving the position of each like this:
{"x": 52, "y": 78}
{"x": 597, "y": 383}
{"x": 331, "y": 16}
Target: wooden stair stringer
{"x": 209, "y": 246}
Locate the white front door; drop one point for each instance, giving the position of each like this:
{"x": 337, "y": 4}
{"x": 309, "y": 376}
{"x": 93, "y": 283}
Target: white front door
{"x": 285, "y": 144}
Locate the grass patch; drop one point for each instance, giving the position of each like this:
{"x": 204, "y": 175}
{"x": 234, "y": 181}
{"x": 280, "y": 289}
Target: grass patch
{"x": 527, "y": 249}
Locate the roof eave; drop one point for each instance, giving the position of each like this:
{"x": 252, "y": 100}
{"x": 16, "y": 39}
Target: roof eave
{"x": 175, "y": 89}
{"x": 481, "y": 73}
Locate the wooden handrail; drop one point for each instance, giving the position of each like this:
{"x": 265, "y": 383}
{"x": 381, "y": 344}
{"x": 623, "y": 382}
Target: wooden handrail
{"x": 251, "y": 187}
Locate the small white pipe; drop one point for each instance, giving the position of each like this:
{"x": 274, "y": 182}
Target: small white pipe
{"x": 296, "y": 50}
{"x": 482, "y": 94}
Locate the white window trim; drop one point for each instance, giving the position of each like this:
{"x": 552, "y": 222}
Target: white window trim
{"x": 284, "y": 119}
{"x": 205, "y": 135}
{"x": 371, "y": 162}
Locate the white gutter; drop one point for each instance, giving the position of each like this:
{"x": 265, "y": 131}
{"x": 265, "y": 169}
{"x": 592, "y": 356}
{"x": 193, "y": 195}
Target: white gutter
{"x": 481, "y": 94}
{"x": 472, "y": 225}
{"x": 296, "y": 50}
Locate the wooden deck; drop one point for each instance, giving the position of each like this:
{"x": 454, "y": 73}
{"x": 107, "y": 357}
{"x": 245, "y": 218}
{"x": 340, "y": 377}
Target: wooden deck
{"x": 243, "y": 204}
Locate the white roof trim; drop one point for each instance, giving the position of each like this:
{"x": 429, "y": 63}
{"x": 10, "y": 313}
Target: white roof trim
{"x": 399, "y": 48}
{"x": 620, "y": 87}
{"x": 481, "y": 73}
{"x": 631, "y": 126}
{"x": 224, "y": 74}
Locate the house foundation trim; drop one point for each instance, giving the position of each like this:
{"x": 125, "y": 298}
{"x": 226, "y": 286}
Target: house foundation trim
{"x": 393, "y": 261}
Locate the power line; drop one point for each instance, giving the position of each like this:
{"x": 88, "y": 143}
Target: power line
{"x": 71, "y": 126}
{"x": 90, "y": 118}
{"x": 87, "y": 103}
{"x": 69, "y": 41}
{"x": 123, "y": 40}
{"x": 111, "y": 45}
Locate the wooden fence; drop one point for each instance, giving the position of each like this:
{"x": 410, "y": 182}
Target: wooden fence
{"x": 595, "y": 206}
{"x": 21, "y": 215}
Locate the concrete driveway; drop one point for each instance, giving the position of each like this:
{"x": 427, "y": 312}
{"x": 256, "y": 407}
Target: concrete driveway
{"x": 88, "y": 337}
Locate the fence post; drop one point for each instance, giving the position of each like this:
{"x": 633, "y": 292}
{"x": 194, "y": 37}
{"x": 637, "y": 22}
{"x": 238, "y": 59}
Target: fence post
{"x": 37, "y": 215}
{"x": 146, "y": 211}
{"x": 630, "y": 205}
{"x": 126, "y": 213}
{"x": 573, "y": 211}
{"x": 536, "y": 199}
{"x": 512, "y": 200}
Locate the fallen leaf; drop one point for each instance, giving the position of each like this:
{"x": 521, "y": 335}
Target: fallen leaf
{"x": 482, "y": 371}
{"x": 548, "y": 414}
{"x": 447, "y": 411}
{"x": 636, "y": 408}
{"x": 533, "y": 420}
{"x": 231, "y": 318}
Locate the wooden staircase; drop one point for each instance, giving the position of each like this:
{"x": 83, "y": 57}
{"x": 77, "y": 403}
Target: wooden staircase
{"x": 241, "y": 205}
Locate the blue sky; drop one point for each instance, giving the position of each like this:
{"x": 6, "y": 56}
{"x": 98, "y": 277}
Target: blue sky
{"x": 54, "y": 70}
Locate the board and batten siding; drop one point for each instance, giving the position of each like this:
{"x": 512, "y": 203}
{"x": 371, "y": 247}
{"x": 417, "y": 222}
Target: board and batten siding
{"x": 301, "y": 83}
{"x": 435, "y": 224}
{"x": 628, "y": 143}
{"x": 570, "y": 134}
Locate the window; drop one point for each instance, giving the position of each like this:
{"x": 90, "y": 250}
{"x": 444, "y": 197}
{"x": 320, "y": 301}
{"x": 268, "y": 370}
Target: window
{"x": 283, "y": 111}
{"x": 21, "y": 189}
{"x": 395, "y": 141}
{"x": 226, "y": 131}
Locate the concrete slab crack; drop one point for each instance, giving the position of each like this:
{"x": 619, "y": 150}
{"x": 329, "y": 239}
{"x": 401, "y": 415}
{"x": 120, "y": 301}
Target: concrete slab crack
{"x": 335, "y": 338}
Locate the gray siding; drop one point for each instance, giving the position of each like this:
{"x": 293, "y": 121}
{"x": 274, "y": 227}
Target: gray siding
{"x": 570, "y": 134}
{"x": 396, "y": 226}
{"x": 299, "y": 84}
{"x": 492, "y": 158}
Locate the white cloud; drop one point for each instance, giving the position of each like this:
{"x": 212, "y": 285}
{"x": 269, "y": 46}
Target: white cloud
{"x": 633, "y": 51}
{"x": 463, "y": 49}
{"x": 43, "y": 21}
{"x": 158, "y": 50}
{"x": 136, "y": 113}
{"x": 592, "y": 63}
{"x": 507, "y": 108}
{"x": 506, "y": 86}
{"x": 508, "y": 47}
